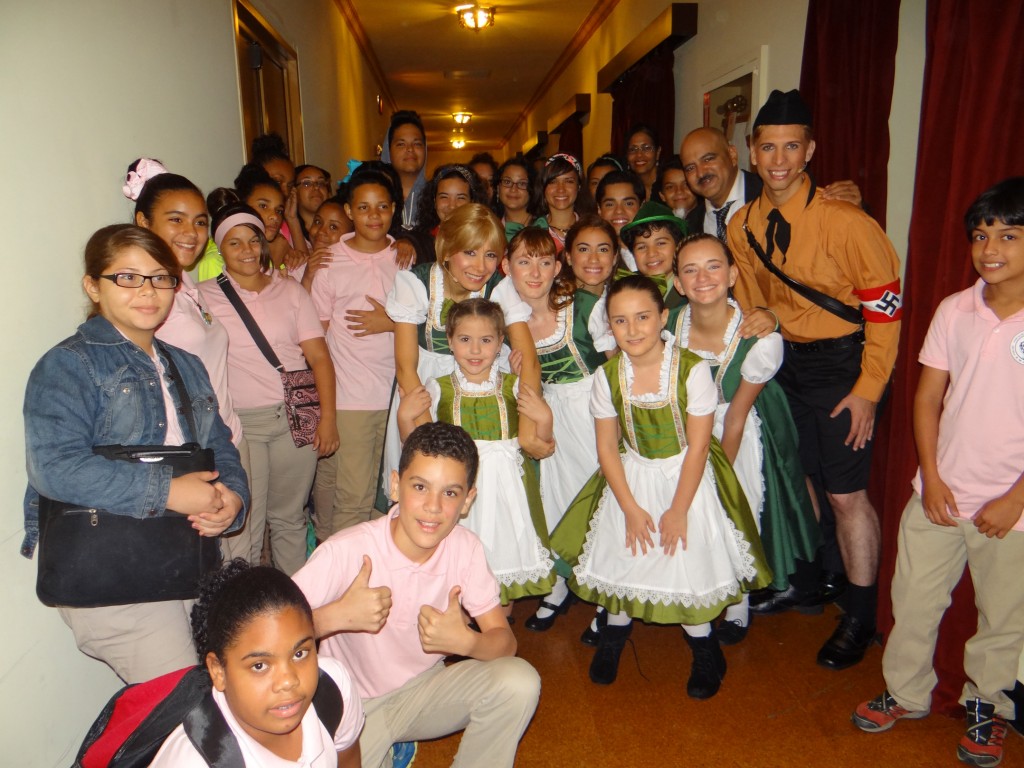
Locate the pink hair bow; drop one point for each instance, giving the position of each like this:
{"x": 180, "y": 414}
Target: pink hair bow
{"x": 145, "y": 170}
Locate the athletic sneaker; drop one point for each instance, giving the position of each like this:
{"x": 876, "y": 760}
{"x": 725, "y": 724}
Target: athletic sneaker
{"x": 403, "y": 754}
{"x": 881, "y": 713}
{"x": 983, "y": 743}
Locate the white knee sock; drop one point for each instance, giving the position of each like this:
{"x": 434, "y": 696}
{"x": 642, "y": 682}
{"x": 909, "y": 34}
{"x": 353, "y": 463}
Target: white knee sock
{"x": 618, "y": 619}
{"x": 593, "y": 621}
{"x": 698, "y": 630}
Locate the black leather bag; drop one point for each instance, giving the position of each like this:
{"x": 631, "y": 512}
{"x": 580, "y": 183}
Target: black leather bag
{"x": 89, "y": 557}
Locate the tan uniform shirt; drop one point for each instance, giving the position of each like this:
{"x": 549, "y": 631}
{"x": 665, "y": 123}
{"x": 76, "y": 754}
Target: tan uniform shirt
{"x": 839, "y": 250}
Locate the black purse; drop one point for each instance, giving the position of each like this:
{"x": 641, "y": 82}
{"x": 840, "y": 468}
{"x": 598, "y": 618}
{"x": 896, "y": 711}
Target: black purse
{"x": 89, "y": 557}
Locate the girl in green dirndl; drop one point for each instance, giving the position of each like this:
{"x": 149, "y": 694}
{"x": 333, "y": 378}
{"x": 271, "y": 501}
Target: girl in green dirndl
{"x": 662, "y": 475}
{"x": 753, "y": 420}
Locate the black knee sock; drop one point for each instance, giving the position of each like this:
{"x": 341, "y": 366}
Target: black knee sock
{"x": 805, "y": 577}
{"x": 862, "y": 603}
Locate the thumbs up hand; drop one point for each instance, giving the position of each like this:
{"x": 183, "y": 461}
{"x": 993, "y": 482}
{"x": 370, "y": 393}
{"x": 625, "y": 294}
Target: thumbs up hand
{"x": 445, "y": 632}
{"x": 363, "y": 608}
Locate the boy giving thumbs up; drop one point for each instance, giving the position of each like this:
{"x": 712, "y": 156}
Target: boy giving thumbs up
{"x": 389, "y": 598}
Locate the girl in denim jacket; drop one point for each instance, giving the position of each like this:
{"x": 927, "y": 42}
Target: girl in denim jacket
{"x": 106, "y": 385}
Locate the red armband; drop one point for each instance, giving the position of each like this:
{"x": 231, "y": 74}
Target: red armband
{"x": 883, "y": 304}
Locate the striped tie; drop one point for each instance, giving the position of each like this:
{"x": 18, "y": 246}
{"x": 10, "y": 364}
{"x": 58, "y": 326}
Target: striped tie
{"x": 720, "y": 215}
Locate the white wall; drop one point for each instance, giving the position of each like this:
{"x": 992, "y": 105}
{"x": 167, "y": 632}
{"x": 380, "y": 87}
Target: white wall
{"x": 85, "y": 88}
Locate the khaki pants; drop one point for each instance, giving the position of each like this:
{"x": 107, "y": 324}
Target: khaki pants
{"x": 139, "y": 641}
{"x": 929, "y": 563}
{"x": 493, "y": 701}
{"x": 239, "y": 544}
{"x": 280, "y": 476}
{"x": 346, "y": 482}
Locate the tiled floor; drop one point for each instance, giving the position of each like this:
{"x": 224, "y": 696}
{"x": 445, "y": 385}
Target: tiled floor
{"x": 776, "y": 707}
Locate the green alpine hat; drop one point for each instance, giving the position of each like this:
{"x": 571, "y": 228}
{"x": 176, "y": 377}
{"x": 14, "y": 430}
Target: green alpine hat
{"x": 651, "y": 212}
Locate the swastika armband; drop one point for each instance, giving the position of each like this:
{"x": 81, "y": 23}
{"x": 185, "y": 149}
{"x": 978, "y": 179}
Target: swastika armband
{"x": 883, "y": 304}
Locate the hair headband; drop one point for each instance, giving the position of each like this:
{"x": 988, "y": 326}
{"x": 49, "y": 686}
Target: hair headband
{"x": 145, "y": 170}
{"x": 233, "y": 221}
{"x": 463, "y": 171}
{"x": 569, "y": 159}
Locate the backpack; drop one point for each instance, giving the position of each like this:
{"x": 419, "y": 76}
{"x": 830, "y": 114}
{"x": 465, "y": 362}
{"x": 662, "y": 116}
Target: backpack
{"x": 138, "y": 719}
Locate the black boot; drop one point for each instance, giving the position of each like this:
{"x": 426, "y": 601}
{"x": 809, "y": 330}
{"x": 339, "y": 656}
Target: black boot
{"x": 708, "y": 668}
{"x": 604, "y": 667}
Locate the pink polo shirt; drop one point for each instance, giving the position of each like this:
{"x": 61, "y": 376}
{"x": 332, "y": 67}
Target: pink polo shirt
{"x": 192, "y": 327}
{"x": 383, "y": 662}
{"x": 285, "y": 314}
{"x": 364, "y": 366}
{"x": 981, "y": 429}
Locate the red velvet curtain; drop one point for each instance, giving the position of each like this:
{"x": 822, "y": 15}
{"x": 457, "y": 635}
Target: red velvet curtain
{"x": 973, "y": 102}
{"x": 646, "y": 93}
{"x": 847, "y": 78}
{"x": 570, "y": 139}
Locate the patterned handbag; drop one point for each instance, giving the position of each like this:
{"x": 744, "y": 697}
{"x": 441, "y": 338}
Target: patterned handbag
{"x": 301, "y": 398}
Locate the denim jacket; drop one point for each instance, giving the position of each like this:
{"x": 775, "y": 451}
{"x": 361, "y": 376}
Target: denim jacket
{"x": 99, "y": 388}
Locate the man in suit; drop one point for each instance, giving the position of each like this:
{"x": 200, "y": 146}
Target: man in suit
{"x": 712, "y": 170}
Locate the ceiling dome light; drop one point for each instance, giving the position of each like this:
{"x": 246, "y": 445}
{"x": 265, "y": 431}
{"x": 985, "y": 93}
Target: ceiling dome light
{"x": 475, "y": 17}
{"x": 458, "y": 143}
{"x": 462, "y": 117}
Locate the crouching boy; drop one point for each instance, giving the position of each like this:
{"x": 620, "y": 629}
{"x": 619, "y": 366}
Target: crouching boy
{"x": 387, "y": 600}
{"x": 969, "y": 493}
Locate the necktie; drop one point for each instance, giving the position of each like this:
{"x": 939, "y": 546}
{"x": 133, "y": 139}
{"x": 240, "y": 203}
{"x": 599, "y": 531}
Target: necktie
{"x": 777, "y": 233}
{"x": 720, "y": 215}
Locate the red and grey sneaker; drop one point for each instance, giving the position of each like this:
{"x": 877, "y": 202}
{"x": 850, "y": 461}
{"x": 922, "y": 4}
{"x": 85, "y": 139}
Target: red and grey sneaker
{"x": 881, "y": 713}
{"x": 983, "y": 743}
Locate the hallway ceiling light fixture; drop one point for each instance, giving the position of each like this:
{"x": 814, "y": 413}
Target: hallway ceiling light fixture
{"x": 475, "y": 17}
{"x": 458, "y": 139}
{"x": 462, "y": 117}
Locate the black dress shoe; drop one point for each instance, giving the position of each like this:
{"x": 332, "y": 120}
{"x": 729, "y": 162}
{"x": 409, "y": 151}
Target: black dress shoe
{"x": 592, "y": 637}
{"x": 731, "y": 632}
{"x": 777, "y": 602}
{"x": 831, "y": 587}
{"x": 537, "y": 624}
{"x": 848, "y": 643}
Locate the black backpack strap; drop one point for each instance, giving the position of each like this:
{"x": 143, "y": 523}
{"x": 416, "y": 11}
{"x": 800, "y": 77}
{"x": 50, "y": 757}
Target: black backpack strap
{"x": 209, "y": 733}
{"x": 328, "y": 703}
{"x": 140, "y": 747}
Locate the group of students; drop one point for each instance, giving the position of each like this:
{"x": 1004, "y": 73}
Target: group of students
{"x": 552, "y": 402}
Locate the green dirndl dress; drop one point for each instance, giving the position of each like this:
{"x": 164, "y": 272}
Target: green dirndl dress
{"x": 723, "y": 554}
{"x": 568, "y": 359}
{"x": 507, "y": 514}
{"x": 767, "y": 462}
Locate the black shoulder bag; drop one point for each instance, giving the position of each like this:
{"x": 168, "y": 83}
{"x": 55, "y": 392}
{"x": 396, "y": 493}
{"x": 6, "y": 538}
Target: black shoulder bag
{"x": 89, "y": 557}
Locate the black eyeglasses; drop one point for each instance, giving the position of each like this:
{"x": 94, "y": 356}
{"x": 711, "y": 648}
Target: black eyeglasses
{"x": 509, "y": 183}
{"x": 135, "y": 280}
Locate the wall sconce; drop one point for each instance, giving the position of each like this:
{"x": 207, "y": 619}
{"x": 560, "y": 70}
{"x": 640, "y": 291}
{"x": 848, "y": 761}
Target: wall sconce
{"x": 475, "y": 17}
{"x": 462, "y": 117}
